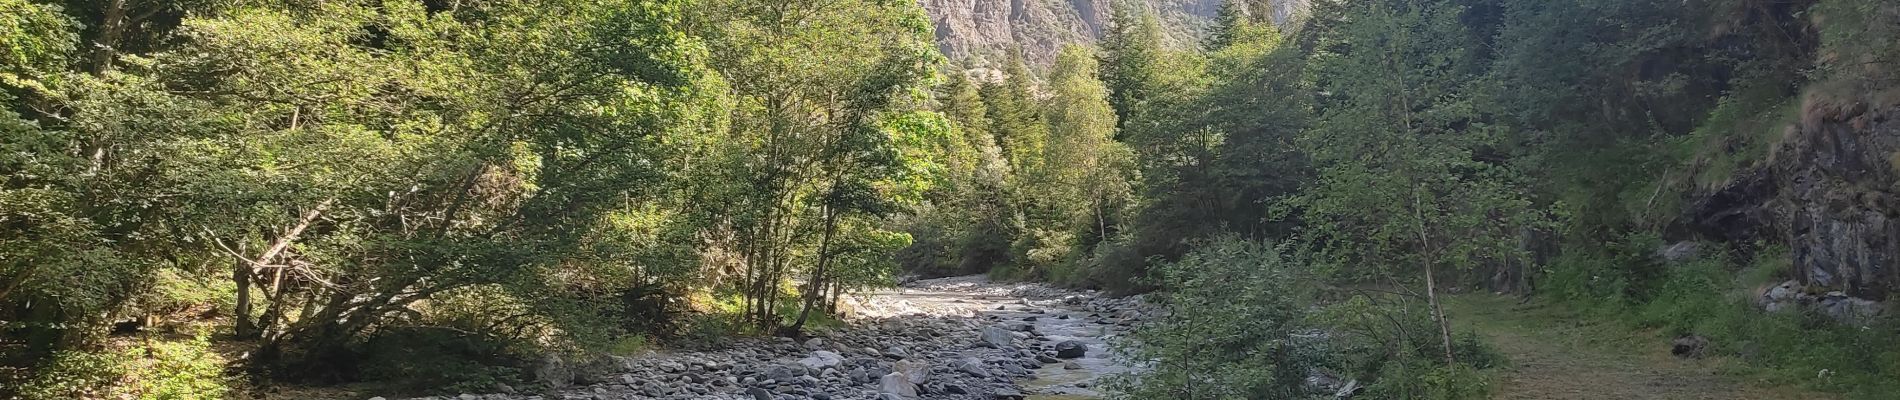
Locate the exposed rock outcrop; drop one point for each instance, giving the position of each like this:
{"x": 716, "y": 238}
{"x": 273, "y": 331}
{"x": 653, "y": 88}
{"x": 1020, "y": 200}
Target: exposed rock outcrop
{"x": 1828, "y": 194}
{"x": 982, "y": 32}
{"x": 1840, "y": 175}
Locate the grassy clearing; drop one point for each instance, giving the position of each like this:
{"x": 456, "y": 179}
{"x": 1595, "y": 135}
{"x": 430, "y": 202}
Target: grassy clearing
{"x": 1558, "y": 353}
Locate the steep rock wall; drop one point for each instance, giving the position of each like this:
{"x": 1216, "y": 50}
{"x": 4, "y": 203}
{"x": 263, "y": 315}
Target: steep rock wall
{"x": 1830, "y": 193}
{"x": 981, "y": 33}
{"x": 1839, "y": 206}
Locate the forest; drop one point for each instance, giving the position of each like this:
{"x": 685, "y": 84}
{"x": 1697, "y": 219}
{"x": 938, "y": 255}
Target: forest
{"x": 216, "y": 199}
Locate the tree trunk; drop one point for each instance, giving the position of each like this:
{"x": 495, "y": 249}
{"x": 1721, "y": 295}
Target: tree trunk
{"x": 1431, "y": 281}
{"x": 1438, "y": 313}
{"x": 241, "y": 275}
{"x": 816, "y": 284}
{"x": 110, "y": 32}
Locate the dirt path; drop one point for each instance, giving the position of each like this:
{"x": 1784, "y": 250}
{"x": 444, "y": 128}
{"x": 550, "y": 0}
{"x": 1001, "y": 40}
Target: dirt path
{"x": 1555, "y": 355}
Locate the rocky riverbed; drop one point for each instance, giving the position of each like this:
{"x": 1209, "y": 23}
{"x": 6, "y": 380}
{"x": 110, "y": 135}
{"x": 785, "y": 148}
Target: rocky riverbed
{"x": 950, "y": 338}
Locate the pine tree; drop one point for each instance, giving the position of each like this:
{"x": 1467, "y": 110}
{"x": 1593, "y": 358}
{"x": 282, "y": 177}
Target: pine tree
{"x": 1014, "y": 119}
{"x": 1130, "y": 60}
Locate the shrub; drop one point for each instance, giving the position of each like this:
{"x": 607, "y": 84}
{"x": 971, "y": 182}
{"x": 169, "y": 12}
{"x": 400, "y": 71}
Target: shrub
{"x": 166, "y": 370}
{"x": 182, "y": 370}
{"x": 1389, "y": 342}
{"x": 77, "y": 374}
{"x": 1798, "y": 346}
{"x": 1234, "y": 310}
{"x": 439, "y": 359}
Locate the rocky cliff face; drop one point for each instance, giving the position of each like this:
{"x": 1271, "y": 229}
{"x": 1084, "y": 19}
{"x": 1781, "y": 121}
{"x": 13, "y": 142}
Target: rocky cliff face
{"x": 1830, "y": 193}
{"x": 1839, "y": 176}
{"x": 981, "y": 33}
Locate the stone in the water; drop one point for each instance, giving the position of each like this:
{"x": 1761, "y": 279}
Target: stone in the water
{"x": 995, "y": 337}
{"x": 1071, "y": 365}
{"x": 1071, "y": 349}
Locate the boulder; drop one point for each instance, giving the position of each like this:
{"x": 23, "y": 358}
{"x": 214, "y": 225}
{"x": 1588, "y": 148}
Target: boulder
{"x": 1850, "y": 310}
{"x": 1006, "y": 394}
{"x": 554, "y": 371}
{"x": 896, "y": 352}
{"x": 1071, "y": 349}
{"x": 999, "y": 338}
{"x": 1690, "y": 346}
{"x": 1680, "y": 251}
{"x": 759, "y": 394}
{"x": 821, "y": 359}
{"x": 974, "y": 367}
{"x": 915, "y": 372}
{"x": 1780, "y": 297}
{"x": 895, "y": 385}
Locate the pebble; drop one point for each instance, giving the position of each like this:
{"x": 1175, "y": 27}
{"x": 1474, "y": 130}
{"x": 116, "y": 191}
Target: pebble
{"x": 893, "y": 349}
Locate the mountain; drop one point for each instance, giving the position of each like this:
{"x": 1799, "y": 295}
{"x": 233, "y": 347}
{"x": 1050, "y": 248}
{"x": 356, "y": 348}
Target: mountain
{"x": 981, "y": 33}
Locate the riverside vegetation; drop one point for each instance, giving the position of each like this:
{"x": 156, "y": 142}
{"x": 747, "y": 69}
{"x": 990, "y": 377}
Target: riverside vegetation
{"x": 212, "y": 199}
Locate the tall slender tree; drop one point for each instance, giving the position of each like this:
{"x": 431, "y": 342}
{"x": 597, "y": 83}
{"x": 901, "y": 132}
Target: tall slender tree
{"x": 1400, "y": 182}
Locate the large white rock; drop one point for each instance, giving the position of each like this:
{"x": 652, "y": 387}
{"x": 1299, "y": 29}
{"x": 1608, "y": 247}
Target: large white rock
{"x": 916, "y": 372}
{"x": 821, "y": 359}
{"x": 897, "y": 385}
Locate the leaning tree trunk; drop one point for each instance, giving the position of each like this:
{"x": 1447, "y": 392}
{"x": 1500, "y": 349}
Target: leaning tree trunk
{"x": 815, "y": 286}
{"x": 1438, "y": 313}
{"x": 1431, "y": 281}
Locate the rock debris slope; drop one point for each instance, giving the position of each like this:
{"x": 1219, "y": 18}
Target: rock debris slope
{"x": 982, "y": 32}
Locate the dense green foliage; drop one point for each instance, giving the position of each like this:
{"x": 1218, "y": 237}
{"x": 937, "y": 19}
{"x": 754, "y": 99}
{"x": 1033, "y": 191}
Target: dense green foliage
{"x": 436, "y": 193}
{"x": 471, "y": 183}
{"x": 1237, "y": 330}
{"x": 1541, "y": 148}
